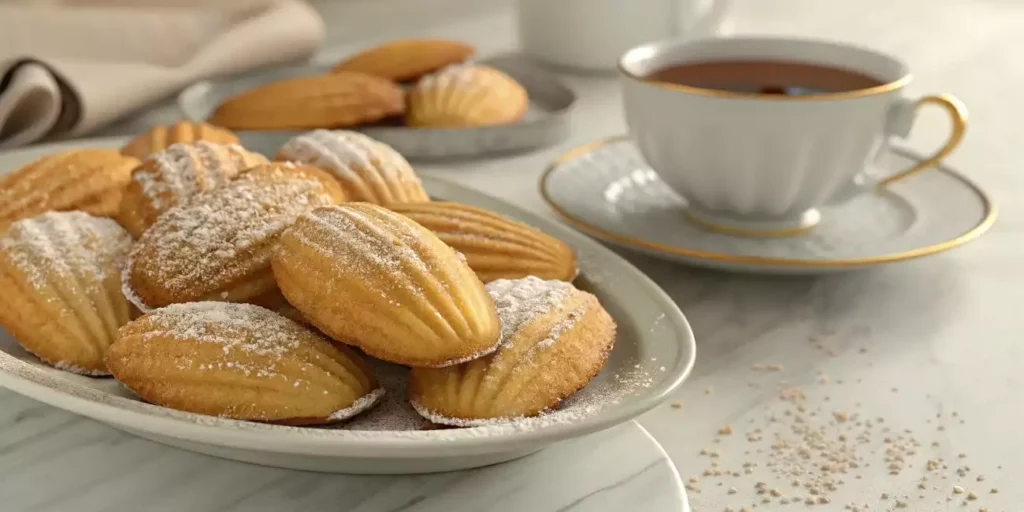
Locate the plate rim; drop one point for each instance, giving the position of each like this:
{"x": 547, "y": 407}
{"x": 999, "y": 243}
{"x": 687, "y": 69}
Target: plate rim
{"x": 665, "y": 250}
{"x": 31, "y": 381}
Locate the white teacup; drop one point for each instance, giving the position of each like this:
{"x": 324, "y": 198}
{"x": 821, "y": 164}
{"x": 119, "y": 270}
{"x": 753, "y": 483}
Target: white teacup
{"x": 760, "y": 164}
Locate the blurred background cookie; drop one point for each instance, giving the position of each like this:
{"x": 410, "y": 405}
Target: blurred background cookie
{"x": 60, "y": 273}
{"x": 407, "y": 59}
{"x": 332, "y": 100}
{"x": 162, "y": 136}
{"x": 91, "y": 180}
{"x": 466, "y": 95}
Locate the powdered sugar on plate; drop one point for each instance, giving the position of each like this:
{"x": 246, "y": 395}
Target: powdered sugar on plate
{"x": 363, "y": 403}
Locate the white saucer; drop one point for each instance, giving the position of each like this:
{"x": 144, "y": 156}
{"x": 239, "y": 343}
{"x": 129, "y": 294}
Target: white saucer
{"x": 608, "y": 191}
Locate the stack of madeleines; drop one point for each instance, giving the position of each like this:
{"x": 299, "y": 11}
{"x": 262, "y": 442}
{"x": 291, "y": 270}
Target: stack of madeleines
{"x": 208, "y": 279}
{"x": 416, "y": 82}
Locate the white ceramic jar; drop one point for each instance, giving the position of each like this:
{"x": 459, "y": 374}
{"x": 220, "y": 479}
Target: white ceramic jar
{"x": 593, "y": 34}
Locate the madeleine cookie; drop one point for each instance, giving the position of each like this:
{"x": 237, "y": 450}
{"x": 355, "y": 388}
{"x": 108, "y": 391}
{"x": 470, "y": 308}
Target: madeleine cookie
{"x": 375, "y": 279}
{"x": 60, "y": 276}
{"x": 162, "y": 136}
{"x": 556, "y": 339}
{"x": 466, "y": 95}
{"x": 370, "y": 171}
{"x": 333, "y": 100}
{"x": 217, "y": 246}
{"x": 168, "y": 177}
{"x": 287, "y": 171}
{"x": 495, "y": 247}
{"x": 91, "y": 180}
{"x": 407, "y": 59}
{"x": 240, "y": 361}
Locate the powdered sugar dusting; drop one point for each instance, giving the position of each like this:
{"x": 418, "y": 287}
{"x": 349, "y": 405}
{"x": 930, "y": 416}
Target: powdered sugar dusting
{"x": 363, "y": 403}
{"x": 217, "y": 236}
{"x": 73, "y": 368}
{"x": 394, "y": 412}
{"x": 520, "y": 301}
{"x": 453, "y": 75}
{"x": 231, "y": 325}
{"x": 62, "y": 245}
{"x": 351, "y": 155}
{"x": 173, "y": 174}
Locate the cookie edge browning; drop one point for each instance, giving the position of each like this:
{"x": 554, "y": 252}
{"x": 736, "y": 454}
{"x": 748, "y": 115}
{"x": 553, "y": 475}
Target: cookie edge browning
{"x": 412, "y": 210}
{"x": 237, "y": 113}
{"x": 281, "y": 269}
{"x": 461, "y": 50}
{"x": 445, "y": 418}
{"x": 361, "y": 404}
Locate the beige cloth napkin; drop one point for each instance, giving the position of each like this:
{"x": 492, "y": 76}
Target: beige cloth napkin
{"x": 68, "y": 69}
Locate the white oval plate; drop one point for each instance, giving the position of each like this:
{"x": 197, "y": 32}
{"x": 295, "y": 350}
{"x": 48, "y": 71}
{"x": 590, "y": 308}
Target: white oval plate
{"x": 546, "y": 121}
{"x": 608, "y": 191}
{"x": 653, "y": 354}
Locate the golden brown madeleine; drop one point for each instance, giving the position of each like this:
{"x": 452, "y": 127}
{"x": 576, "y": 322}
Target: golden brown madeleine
{"x": 466, "y": 95}
{"x": 407, "y": 59}
{"x": 374, "y": 279}
{"x": 91, "y": 180}
{"x": 60, "y": 273}
{"x": 240, "y": 361}
{"x": 370, "y": 171}
{"x": 557, "y": 338}
{"x": 162, "y": 136}
{"x": 495, "y": 247}
{"x": 333, "y": 100}
{"x": 285, "y": 171}
{"x": 168, "y": 177}
{"x": 217, "y": 245}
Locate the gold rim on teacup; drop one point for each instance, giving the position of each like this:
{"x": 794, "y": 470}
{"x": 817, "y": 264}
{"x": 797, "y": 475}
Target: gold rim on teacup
{"x": 646, "y": 245}
{"x": 637, "y": 65}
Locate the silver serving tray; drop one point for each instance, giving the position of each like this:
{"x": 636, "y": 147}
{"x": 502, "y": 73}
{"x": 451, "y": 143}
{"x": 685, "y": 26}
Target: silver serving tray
{"x": 546, "y": 121}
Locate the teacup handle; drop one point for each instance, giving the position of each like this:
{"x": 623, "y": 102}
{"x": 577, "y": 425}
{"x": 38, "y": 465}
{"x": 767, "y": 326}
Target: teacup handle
{"x": 958, "y": 115}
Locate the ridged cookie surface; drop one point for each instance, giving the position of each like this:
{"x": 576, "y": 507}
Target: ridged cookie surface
{"x": 407, "y": 59}
{"x": 333, "y": 100}
{"x": 90, "y": 180}
{"x": 495, "y": 246}
{"x": 217, "y": 245}
{"x": 167, "y": 178}
{"x": 369, "y": 170}
{"x": 557, "y": 338}
{"x": 240, "y": 361}
{"x": 60, "y": 279}
{"x": 375, "y": 279}
{"x": 162, "y": 136}
{"x": 466, "y": 95}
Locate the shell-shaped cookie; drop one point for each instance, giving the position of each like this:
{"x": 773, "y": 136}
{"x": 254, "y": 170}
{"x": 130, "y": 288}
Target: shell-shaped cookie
{"x": 407, "y": 59}
{"x": 557, "y": 338}
{"x": 333, "y": 100}
{"x": 217, "y": 245}
{"x": 466, "y": 95}
{"x": 60, "y": 277}
{"x": 91, "y": 180}
{"x": 287, "y": 171}
{"x": 370, "y": 171}
{"x": 240, "y": 361}
{"x": 168, "y": 177}
{"x": 162, "y": 136}
{"x": 495, "y": 246}
{"x": 372, "y": 278}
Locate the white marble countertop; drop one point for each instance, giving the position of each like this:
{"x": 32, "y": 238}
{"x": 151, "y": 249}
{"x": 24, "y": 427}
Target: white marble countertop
{"x": 927, "y": 350}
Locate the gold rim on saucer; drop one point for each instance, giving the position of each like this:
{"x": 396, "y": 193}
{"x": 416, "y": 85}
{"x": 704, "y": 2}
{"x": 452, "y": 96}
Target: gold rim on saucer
{"x": 639, "y": 243}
